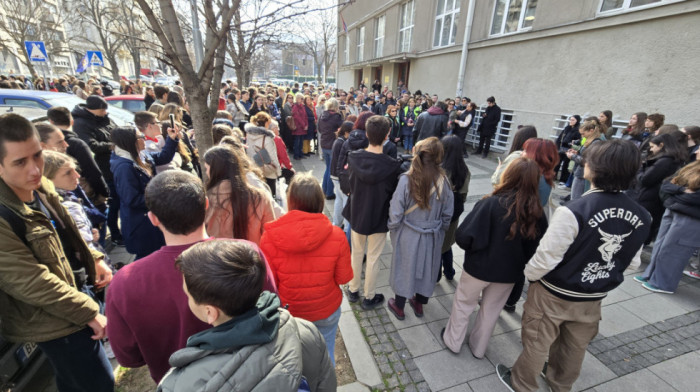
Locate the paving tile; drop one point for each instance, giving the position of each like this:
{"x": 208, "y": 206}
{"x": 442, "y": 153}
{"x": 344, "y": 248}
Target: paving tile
{"x": 419, "y": 340}
{"x": 444, "y": 369}
{"x": 653, "y": 308}
{"x": 593, "y": 372}
{"x": 445, "y": 301}
{"x": 633, "y": 288}
{"x": 433, "y": 311}
{"x": 686, "y": 296}
{"x": 382, "y": 277}
{"x": 444, "y": 286}
{"x": 504, "y": 348}
{"x": 616, "y": 319}
{"x": 680, "y": 372}
{"x": 615, "y": 296}
{"x": 458, "y": 388}
{"x": 642, "y": 380}
{"x": 491, "y": 383}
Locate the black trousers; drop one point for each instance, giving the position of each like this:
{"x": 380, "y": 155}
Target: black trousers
{"x": 564, "y": 165}
{"x": 484, "y": 143}
{"x": 401, "y": 301}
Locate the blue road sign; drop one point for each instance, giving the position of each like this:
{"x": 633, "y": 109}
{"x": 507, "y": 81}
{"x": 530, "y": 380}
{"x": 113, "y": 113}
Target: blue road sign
{"x": 95, "y": 58}
{"x": 36, "y": 51}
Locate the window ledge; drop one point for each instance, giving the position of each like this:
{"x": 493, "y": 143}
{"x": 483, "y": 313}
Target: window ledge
{"x": 619, "y": 11}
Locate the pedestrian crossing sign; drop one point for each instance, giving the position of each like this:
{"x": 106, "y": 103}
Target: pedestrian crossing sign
{"x": 36, "y": 51}
{"x": 95, "y": 58}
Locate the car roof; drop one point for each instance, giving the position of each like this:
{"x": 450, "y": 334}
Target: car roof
{"x": 30, "y": 113}
{"x": 30, "y": 93}
{"x": 126, "y": 97}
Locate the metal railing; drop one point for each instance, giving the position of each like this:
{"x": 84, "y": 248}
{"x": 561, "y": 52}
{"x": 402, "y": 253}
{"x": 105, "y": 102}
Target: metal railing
{"x": 501, "y": 139}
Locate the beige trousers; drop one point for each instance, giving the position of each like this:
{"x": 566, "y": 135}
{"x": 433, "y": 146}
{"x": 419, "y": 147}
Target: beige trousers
{"x": 558, "y": 329}
{"x": 465, "y": 301}
{"x": 375, "y": 245}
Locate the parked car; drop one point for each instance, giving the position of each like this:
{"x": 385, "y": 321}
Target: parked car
{"x": 30, "y": 113}
{"x": 164, "y": 80}
{"x": 47, "y": 99}
{"x": 132, "y": 102}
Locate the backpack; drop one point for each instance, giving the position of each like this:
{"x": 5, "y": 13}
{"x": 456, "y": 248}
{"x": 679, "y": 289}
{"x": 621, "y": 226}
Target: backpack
{"x": 15, "y": 222}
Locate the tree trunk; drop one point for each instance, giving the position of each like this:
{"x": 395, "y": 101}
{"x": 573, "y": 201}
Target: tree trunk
{"x": 114, "y": 67}
{"x": 202, "y": 121}
{"x": 136, "y": 56}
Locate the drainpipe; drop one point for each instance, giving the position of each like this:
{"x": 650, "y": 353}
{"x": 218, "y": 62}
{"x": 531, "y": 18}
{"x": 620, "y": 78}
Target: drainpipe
{"x": 465, "y": 48}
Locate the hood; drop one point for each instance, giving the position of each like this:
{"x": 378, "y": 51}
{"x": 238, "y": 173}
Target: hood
{"x": 69, "y": 134}
{"x": 256, "y": 130}
{"x": 256, "y": 326}
{"x": 299, "y": 231}
{"x": 80, "y": 111}
{"x": 357, "y": 140}
{"x": 373, "y": 168}
{"x": 434, "y": 110}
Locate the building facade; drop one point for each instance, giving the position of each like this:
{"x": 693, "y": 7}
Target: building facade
{"x": 540, "y": 59}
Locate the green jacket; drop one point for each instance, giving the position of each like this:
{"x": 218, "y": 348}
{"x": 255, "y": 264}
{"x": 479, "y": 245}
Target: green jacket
{"x": 264, "y": 349}
{"x": 38, "y": 297}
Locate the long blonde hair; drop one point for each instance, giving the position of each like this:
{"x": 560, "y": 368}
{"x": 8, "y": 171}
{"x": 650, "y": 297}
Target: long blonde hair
{"x": 426, "y": 171}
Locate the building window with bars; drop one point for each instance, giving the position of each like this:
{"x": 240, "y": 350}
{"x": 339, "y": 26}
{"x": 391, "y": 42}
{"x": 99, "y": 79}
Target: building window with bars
{"x": 361, "y": 44}
{"x": 446, "y": 21}
{"x": 512, "y": 16}
{"x": 406, "y": 26}
{"x": 379, "y": 36}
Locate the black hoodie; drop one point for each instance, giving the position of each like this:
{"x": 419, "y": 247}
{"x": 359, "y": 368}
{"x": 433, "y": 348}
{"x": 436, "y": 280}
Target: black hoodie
{"x": 96, "y": 132}
{"x": 79, "y": 150}
{"x": 373, "y": 179}
{"x": 677, "y": 200}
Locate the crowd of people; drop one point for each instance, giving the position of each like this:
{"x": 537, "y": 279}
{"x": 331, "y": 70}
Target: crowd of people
{"x": 238, "y": 272}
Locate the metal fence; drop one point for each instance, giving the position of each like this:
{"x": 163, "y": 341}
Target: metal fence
{"x": 501, "y": 140}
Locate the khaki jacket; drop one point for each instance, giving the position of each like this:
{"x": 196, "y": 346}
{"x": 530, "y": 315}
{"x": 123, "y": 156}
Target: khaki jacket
{"x": 38, "y": 297}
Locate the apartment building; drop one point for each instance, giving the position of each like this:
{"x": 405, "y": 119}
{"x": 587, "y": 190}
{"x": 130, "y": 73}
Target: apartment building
{"x": 540, "y": 59}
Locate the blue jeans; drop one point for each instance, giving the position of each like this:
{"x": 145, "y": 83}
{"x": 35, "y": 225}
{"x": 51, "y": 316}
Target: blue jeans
{"x": 328, "y": 328}
{"x": 408, "y": 142}
{"x": 327, "y": 185}
{"x": 80, "y": 363}
{"x": 298, "y": 143}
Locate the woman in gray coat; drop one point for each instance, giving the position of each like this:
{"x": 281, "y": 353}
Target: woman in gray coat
{"x": 419, "y": 214}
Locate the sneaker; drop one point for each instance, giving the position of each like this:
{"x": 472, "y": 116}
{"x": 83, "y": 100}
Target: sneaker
{"x": 108, "y": 349}
{"x": 640, "y": 279}
{"x": 417, "y": 307}
{"x": 692, "y": 274}
{"x": 509, "y": 308}
{"x": 503, "y": 373}
{"x": 391, "y": 304}
{"x": 353, "y": 297}
{"x": 368, "y": 304}
{"x": 655, "y": 289}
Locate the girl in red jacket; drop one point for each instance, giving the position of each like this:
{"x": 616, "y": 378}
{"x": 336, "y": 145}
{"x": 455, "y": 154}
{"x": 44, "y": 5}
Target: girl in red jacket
{"x": 309, "y": 258}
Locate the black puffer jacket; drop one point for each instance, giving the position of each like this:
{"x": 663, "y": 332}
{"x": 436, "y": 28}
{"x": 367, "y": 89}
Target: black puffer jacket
{"x": 78, "y": 149}
{"x": 96, "y": 132}
{"x": 650, "y": 177}
{"x": 328, "y": 124}
{"x": 567, "y": 135}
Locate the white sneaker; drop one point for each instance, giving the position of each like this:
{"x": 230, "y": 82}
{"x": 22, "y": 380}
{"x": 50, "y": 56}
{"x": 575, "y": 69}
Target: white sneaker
{"x": 108, "y": 349}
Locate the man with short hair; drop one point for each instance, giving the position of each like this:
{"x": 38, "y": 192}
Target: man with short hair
{"x": 488, "y": 126}
{"x": 161, "y": 94}
{"x": 51, "y": 137}
{"x": 46, "y": 269}
{"x": 254, "y": 343}
{"x": 91, "y": 177}
{"x": 583, "y": 255}
{"x": 147, "y": 310}
{"x": 93, "y": 126}
{"x": 373, "y": 179}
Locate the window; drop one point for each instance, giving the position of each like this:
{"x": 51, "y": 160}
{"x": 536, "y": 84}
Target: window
{"x": 379, "y": 37}
{"x": 619, "y": 5}
{"x": 446, "y": 19}
{"x": 361, "y": 44}
{"x": 347, "y": 49}
{"x": 510, "y": 16}
{"x": 406, "y": 26}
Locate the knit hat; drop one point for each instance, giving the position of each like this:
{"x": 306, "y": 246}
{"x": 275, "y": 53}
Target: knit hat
{"x": 95, "y": 102}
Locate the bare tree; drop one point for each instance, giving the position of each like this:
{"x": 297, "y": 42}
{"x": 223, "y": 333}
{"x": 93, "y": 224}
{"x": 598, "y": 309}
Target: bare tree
{"x": 201, "y": 85}
{"x": 31, "y": 20}
{"x": 133, "y": 28}
{"x": 317, "y": 33}
{"x": 100, "y": 17}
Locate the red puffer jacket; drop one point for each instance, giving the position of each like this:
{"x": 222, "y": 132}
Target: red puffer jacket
{"x": 309, "y": 258}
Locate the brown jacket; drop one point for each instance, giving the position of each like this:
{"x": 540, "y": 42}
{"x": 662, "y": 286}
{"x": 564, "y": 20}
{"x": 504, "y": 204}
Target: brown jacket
{"x": 38, "y": 297}
{"x": 219, "y": 217}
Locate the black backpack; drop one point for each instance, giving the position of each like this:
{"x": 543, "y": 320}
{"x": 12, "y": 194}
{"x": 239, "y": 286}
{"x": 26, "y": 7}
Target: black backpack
{"x": 15, "y": 222}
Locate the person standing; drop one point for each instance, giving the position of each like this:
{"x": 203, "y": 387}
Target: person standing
{"x": 498, "y": 237}
{"x": 373, "y": 176}
{"x": 464, "y": 122}
{"x": 580, "y": 258}
{"x": 46, "y": 269}
{"x": 93, "y": 126}
{"x": 433, "y": 122}
{"x": 301, "y": 123}
{"x": 564, "y": 140}
{"x": 328, "y": 124}
{"x": 419, "y": 214}
{"x": 488, "y": 126}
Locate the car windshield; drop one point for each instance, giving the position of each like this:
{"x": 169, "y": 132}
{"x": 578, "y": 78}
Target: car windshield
{"x": 120, "y": 117}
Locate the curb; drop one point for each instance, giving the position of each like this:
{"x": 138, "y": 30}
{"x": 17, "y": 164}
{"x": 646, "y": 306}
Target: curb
{"x": 366, "y": 370}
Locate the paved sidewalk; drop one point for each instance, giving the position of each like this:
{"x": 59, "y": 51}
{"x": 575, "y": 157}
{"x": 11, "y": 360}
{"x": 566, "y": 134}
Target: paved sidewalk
{"x": 646, "y": 341}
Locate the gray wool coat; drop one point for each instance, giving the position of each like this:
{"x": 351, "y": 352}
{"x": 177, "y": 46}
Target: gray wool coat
{"x": 417, "y": 238}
